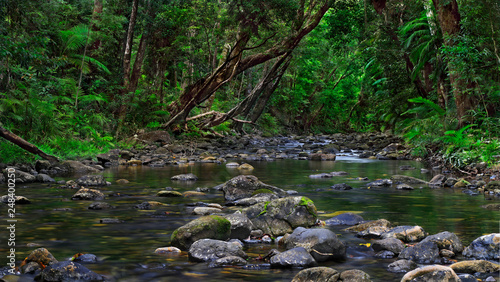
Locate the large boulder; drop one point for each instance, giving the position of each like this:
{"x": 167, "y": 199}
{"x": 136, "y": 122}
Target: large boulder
{"x": 209, "y": 250}
{"x": 68, "y": 271}
{"x": 322, "y": 244}
{"x": 92, "y": 180}
{"x": 423, "y": 252}
{"x": 76, "y": 167}
{"x": 19, "y": 176}
{"x": 432, "y": 273}
{"x": 406, "y": 233}
{"x": 296, "y": 257}
{"x": 207, "y": 227}
{"x": 485, "y": 247}
{"x": 345, "y": 219}
{"x": 243, "y": 186}
{"x": 475, "y": 266}
{"x": 241, "y": 225}
{"x": 281, "y": 216}
{"x": 446, "y": 241}
{"x": 320, "y": 273}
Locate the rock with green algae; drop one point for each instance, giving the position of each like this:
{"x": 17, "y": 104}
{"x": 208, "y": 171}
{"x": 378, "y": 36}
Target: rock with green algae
{"x": 207, "y": 227}
{"x": 281, "y": 216}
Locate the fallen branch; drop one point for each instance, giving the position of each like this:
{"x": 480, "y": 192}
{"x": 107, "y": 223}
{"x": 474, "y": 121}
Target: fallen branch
{"x": 25, "y": 145}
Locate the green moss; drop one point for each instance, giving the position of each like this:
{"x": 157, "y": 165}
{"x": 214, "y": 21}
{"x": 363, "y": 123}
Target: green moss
{"x": 265, "y": 208}
{"x": 262, "y": 191}
{"x": 309, "y": 204}
{"x": 223, "y": 226}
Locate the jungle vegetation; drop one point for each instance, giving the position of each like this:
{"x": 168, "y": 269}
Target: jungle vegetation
{"x": 77, "y": 76}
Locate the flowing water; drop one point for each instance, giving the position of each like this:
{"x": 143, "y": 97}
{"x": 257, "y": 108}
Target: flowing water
{"x": 126, "y": 250}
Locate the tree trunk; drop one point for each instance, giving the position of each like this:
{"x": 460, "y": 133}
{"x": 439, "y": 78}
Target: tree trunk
{"x": 25, "y": 145}
{"x": 449, "y": 21}
{"x": 202, "y": 89}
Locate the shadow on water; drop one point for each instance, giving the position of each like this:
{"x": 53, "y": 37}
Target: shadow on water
{"x": 67, "y": 227}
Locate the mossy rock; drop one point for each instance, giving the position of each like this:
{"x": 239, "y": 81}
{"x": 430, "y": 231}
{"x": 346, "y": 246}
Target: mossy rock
{"x": 207, "y": 227}
{"x": 262, "y": 191}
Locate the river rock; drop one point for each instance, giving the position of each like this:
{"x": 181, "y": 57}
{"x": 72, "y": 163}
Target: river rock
{"x": 245, "y": 166}
{"x": 88, "y": 194}
{"x": 259, "y": 198}
{"x": 492, "y": 187}
{"x": 296, "y": 257}
{"x": 446, "y": 241}
{"x": 281, "y": 216}
{"x": 40, "y": 256}
{"x": 320, "y": 274}
{"x": 122, "y": 181}
{"x": 44, "y": 178}
{"x": 92, "y": 180}
{"x": 110, "y": 157}
{"x": 475, "y": 266}
{"x": 423, "y": 252}
{"x": 184, "y": 177}
{"x": 380, "y": 183}
{"x": 85, "y": 258}
{"x": 407, "y": 180}
{"x": 406, "y": 233}
{"x": 366, "y": 225}
{"x": 21, "y": 200}
{"x": 20, "y": 176}
{"x": 390, "y": 244}
{"x": 373, "y": 232}
{"x": 149, "y": 205}
{"x": 322, "y": 157}
{"x": 205, "y": 210}
{"x": 68, "y": 271}
{"x": 437, "y": 180}
{"x": 209, "y": 250}
{"x": 432, "y": 273}
{"x": 341, "y": 186}
{"x": 42, "y": 164}
{"x": 450, "y": 182}
{"x": 485, "y": 247}
{"x": 100, "y": 206}
{"x": 321, "y": 175}
{"x": 345, "y": 219}
{"x": 241, "y": 226}
{"x": 232, "y": 165}
{"x": 167, "y": 250}
{"x": 322, "y": 244}
{"x": 243, "y": 186}
{"x": 402, "y": 266}
{"x": 354, "y": 275}
{"x": 167, "y": 193}
{"x": 76, "y": 167}
{"x": 228, "y": 261}
{"x": 404, "y": 186}
{"x": 212, "y": 227}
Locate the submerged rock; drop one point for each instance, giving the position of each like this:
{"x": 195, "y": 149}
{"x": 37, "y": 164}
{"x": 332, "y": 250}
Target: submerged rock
{"x": 207, "y": 227}
{"x": 320, "y": 273}
{"x": 437, "y": 180}
{"x": 185, "y": 177}
{"x": 345, "y": 219}
{"x": 20, "y": 176}
{"x": 281, "y": 216}
{"x": 485, "y": 247}
{"x": 432, "y": 273}
{"x": 228, "y": 261}
{"x": 209, "y": 250}
{"x": 322, "y": 244}
{"x": 423, "y": 252}
{"x": 380, "y": 183}
{"x": 100, "y": 206}
{"x": 296, "y": 257}
{"x": 243, "y": 186}
{"x": 166, "y": 193}
{"x": 92, "y": 180}
{"x": 341, "y": 186}
{"x": 68, "y": 271}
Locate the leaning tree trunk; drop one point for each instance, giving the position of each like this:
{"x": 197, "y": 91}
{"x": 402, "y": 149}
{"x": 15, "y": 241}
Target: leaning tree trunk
{"x": 25, "y": 145}
{"x": 235, "y": 64}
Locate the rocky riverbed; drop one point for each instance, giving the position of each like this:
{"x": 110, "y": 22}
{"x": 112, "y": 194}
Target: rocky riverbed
{"x": 244, "y": 211}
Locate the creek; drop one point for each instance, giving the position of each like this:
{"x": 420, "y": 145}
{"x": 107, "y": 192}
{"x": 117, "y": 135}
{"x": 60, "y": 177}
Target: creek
{"x": 126, "y": 249}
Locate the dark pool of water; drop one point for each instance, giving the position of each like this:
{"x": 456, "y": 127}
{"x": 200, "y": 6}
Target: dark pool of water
{"x": 67, "y": 227}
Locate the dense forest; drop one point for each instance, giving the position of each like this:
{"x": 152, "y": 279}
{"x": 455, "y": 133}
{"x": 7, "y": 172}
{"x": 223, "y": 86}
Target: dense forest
{"x": 78, "y": 76}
